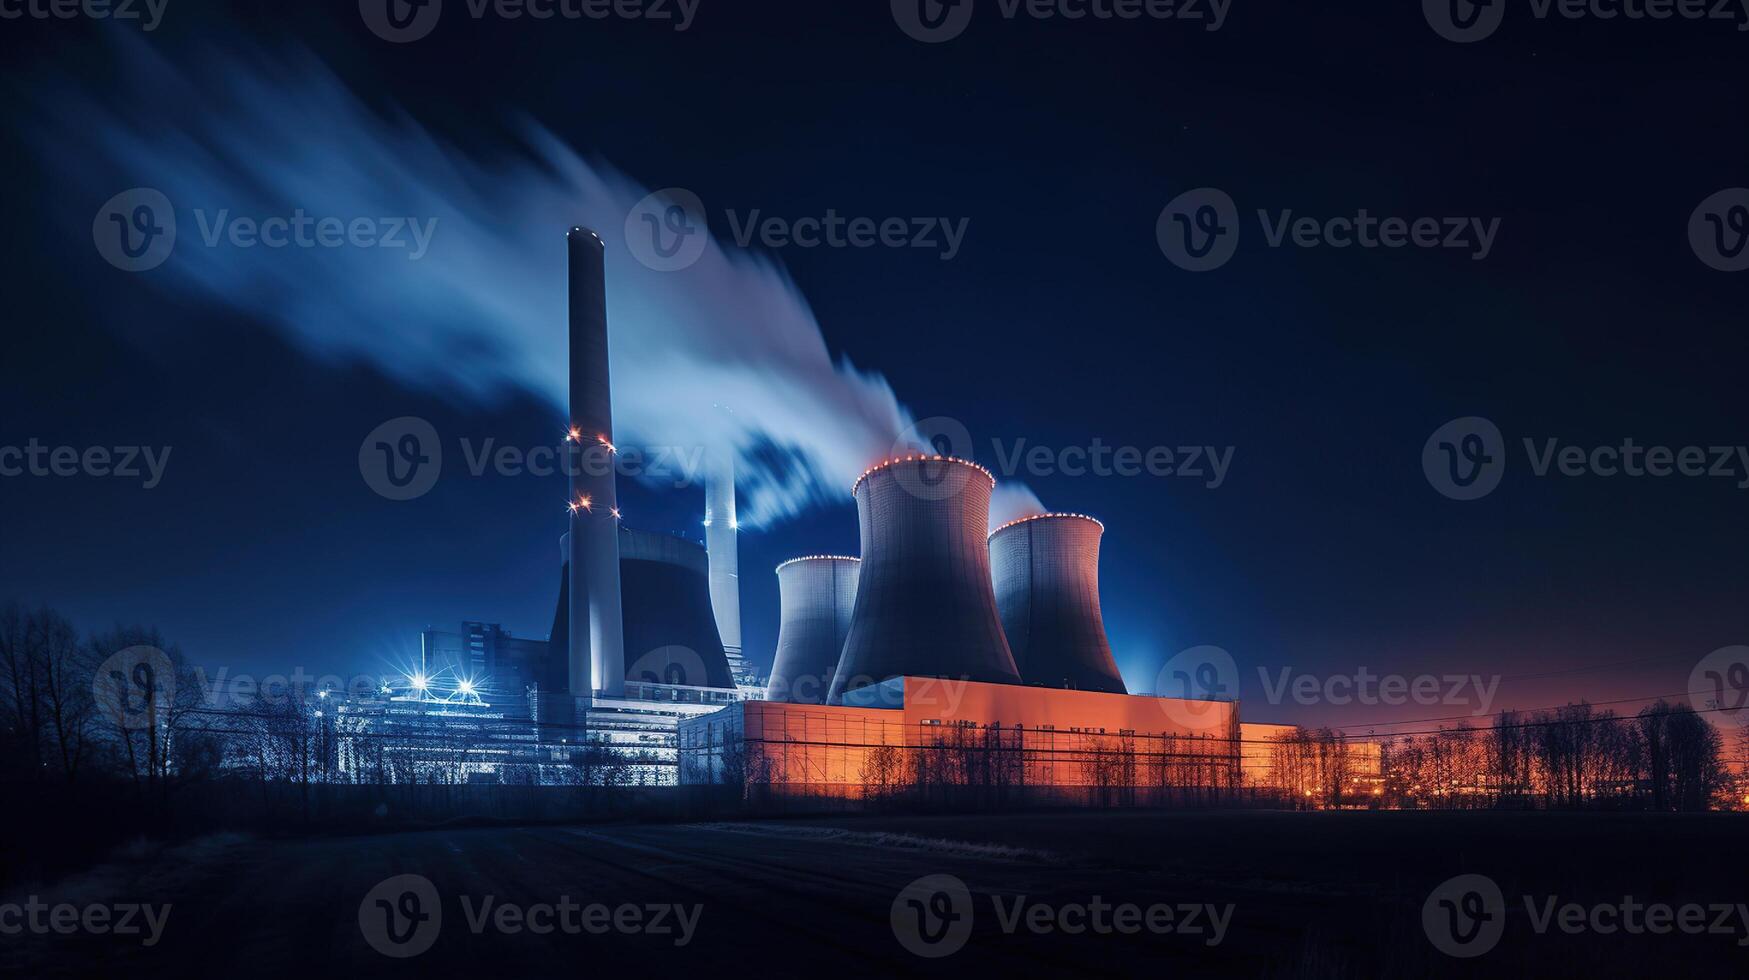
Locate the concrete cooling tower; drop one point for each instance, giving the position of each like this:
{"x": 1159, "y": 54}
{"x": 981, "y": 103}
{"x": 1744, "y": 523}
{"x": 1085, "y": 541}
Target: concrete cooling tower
{"x": 816, "y": 598}
{"x": 924, "y": 605}
{"x": 1047, "y": 590}
{"x": 670, "y": 631}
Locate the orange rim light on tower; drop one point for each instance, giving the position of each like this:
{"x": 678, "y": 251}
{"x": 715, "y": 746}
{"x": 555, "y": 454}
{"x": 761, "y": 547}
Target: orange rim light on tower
{"x": 919, "y": 458}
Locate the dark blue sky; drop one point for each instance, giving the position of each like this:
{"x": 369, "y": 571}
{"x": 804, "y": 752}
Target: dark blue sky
{"x": 1059, "y": 322}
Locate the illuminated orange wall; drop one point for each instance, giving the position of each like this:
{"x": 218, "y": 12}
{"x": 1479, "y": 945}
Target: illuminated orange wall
{"x": 1051, "y": 737}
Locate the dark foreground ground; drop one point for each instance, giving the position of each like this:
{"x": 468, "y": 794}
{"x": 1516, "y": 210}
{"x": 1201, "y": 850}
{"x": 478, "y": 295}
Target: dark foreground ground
{"x": 1295, "y": 894}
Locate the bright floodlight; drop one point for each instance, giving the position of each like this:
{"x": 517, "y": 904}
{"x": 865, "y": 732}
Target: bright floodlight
{"x": 419, "y": 682}
{"x": 466, "y": 687}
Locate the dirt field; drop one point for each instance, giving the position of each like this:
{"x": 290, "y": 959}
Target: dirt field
{"x": 1106, "y": 893}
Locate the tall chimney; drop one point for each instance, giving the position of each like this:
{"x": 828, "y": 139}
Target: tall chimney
{"x": 720, "y": 532}
{"x": 597, "y": 632}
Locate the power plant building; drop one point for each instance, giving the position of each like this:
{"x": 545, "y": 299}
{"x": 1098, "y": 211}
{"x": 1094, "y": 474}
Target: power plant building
{"x": 934, "y": 735}
{"x": 945, "y": 656}
{"x": 1047, "y": 591}
{"x": 816, "y": 599}
{"x": 924, "y": 605}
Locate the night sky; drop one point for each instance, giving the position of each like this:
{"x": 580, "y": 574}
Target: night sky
{"x": 1060, "y": 321}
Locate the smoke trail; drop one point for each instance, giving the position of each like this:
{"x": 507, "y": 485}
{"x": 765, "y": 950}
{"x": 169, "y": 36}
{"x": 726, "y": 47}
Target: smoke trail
{"x": 723, "y": 353}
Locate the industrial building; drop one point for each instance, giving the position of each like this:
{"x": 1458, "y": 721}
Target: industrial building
{"x": 1047, "y": 591}
{"x": 498, "y": 666}
{"x": 924, "y": 600}
{"x": 937, "y": 735}
{"x": 943, "y": 655}
{"x": 816, "y": 598}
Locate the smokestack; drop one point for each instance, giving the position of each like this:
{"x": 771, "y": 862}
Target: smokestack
{"x": 720, "y": 532}
{"x": 924, "y": 605}
{"x": 597, "y": 633}
{"x": 1047, "y": 590}
{"x": 816, "y": 598}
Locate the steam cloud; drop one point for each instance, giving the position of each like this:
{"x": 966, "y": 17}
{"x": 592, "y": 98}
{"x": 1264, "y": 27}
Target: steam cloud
{"x": 725, "y": 353}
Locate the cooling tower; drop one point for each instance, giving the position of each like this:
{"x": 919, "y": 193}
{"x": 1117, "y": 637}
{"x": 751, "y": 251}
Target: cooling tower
{"x": 720, "y": 531}
{"x": 816, "y": 597}
{"x": 1046, "y": 572}
{"x": 670, "y": 631}
{"x": 924, "y": 605}
{"x": 596, "y": 631}
{"x": 558, "y": 672}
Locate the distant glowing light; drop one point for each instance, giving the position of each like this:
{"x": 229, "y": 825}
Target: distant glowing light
{"x": 610, "y": 446}
{"x": 419, "y": 682}
{"x": 574, "y": 435}
{"x": 465, "y": 686}
{"x": 583, "y": 503}
{"x": 615, "y": 512}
